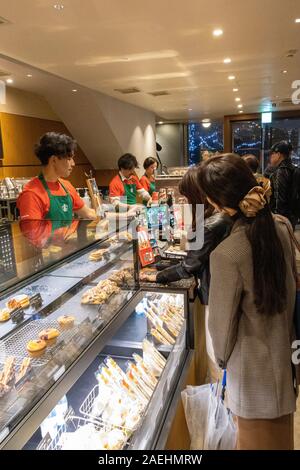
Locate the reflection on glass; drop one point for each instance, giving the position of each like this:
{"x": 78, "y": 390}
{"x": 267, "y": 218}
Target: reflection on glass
{"x": 201, "y": 139}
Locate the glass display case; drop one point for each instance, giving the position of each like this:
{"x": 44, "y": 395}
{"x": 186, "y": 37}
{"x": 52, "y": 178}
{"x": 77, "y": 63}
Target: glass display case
{"x": 88, "y": 358}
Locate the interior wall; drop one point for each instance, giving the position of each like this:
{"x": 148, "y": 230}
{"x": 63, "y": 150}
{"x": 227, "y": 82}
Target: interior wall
{"x": 106, "y": 127}
{"x": 170, "y": 137}
{"x": 26, "y": 104}
{"x": 19, "y": 134}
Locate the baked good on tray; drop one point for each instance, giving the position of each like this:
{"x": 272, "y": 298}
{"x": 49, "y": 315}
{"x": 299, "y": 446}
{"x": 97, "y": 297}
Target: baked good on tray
{"x": 18, "y": 301}
{"x": 101, "y": 293}
{"x": 4, "y": 314}
{"x": 66, "y": 321}
{"x": 36, "y": 347}
{"x": 97, "y": 255}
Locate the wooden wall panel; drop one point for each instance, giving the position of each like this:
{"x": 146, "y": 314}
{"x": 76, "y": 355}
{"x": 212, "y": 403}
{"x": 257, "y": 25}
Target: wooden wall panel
{"x": 19, "y": 135}
{"x": 103, "y": 177}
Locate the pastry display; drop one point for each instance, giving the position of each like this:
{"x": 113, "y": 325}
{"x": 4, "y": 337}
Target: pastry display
{"x": 122, "y": 277}
{"x": 93, "y": 437}
{"x": 66, "y": 321}
{"x": 18, "y": 301}
{"x": 97, "y": 255}
{"x": 4, "y": 315}
{"x": 49, "y": 335}
{"x": 8, "y": 373}
{"x": 152, "y": 358}
{"x": 24, "y": 368}
{"x": 55, "y": 249}
{"x": 36, "y": 347}
{"x": 121, "y": 236}
{"x": 101, "y": 293}
{"x": 122, "y": 397}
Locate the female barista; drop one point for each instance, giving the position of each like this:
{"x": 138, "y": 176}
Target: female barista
{"x": 47, "y": 197}
{"x": 148, "y": 179}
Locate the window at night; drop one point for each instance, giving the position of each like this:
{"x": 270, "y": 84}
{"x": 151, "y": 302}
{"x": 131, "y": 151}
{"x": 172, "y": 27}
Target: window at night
{"x": 246, "y": 137}
{"x": 201, "y": 138}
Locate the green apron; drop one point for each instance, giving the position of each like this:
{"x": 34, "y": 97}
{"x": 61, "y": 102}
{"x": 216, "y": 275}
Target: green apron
{"x": 61, "y": 207}
{"x": 130, "y": 194}
{"x": 152, "y": 189}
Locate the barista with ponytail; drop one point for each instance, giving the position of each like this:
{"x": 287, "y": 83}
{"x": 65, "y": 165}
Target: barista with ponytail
{"x": 251, "y": 305}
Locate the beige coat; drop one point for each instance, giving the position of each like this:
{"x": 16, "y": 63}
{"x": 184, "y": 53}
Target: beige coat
{"x": 256, "y": 349}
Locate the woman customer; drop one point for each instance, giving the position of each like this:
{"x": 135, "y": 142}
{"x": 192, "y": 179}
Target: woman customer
{"x": 251, "y": 305}
{"x": 216, "y": 227}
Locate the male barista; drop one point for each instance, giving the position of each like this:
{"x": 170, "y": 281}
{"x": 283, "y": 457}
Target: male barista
{"x": 48, "y": 196}
{"x": 125, "y": 186}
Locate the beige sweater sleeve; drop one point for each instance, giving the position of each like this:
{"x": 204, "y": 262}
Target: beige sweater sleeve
{"x": 224, "y": 299}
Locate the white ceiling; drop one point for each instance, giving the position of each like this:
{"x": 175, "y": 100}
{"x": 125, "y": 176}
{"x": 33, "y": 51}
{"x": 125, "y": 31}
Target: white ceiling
{"x": 161, "y": 45}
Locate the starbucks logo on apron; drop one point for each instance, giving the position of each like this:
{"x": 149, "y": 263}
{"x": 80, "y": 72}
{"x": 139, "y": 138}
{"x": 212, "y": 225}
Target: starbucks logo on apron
{"x": 65, "y": 207}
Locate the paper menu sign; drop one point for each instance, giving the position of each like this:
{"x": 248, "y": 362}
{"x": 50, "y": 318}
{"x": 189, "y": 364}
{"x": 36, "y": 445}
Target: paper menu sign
{"x": 146, "y": 254}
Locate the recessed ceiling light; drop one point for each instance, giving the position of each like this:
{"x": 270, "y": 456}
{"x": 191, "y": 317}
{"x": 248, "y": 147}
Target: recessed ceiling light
{"x": 160, "y": 122}
{"x": 9, "y": 80}
{"x": 74, "y": 90}
{"x": 231, "y": 77}
{"x": 206, "y": 120}
{"x": 235, "y": 90}
{"x": 206, "y": 124}
{"x": 241, "y": 111}
{"x": 237, "y": 99}
{"x": 29, "y": 75}
{"x": 190, "y": 109}
{"x": 297, "y": 20}
{"x": 227, "y": 60}
{"x": 240, "y": 105}
{"x": 217, "y": 32}
{"x": 59, "y": 6}
{"x": 284, "y": 71}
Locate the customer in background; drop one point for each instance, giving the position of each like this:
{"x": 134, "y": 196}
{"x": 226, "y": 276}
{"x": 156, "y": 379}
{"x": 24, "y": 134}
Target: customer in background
{"x": 148, "y": 179}
{"x": 251, "y": 306}
{"x": 125, "y": 186}
{"x": 253, "y": 164}
{"x": 282, "y": 180}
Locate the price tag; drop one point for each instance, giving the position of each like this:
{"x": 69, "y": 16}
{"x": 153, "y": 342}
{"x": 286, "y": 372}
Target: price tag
{"x": 4, "y": 433}
{"x": 17, "y": 315}
{"x": 59, "y": 373}
{"x": 36, "y": 301}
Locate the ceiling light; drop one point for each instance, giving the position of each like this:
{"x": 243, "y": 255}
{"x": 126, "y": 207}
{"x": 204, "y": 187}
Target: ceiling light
{"x": 231, "y": 77}
{"x": 217, "y": 32}
{"x": 235, "y": 90}
{"x": 9, "y": 80}
{"x": 206, "y": 124}
{"x": 240, "y": 105}
{"x": 59, "y": 6}
{"x": 160, "y": 122}
{"x": 227, "y": 60}
{"x": 237, "y": 99}
{"x": 297, "y": 20}
{"x": 206, "y": 120}
{"x": 74, "y": 90}
{"x": 284, "y": 71}
{"x": 29, "y": 75}
{"x": 190, "y": 109}
{"x": 241, "y": 111}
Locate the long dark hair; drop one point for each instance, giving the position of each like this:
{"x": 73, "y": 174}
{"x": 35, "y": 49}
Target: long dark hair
{"x": 189, "y": 187}
{"x": 226, "y": 179}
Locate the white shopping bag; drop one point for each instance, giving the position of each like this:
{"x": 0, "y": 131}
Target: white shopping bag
{"x": 210, "y": 423}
